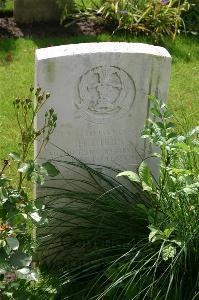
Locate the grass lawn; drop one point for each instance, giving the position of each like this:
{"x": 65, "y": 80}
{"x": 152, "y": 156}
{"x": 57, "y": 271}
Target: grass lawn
{"x": 17, "y": 75}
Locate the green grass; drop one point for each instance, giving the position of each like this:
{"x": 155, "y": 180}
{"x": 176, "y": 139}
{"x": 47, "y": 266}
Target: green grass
{"x": 17, "y": 76}
{"x": 8, "y": 9}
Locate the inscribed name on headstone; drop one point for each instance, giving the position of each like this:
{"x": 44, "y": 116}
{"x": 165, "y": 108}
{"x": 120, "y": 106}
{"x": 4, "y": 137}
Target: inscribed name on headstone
{"x": 100, "y": 94}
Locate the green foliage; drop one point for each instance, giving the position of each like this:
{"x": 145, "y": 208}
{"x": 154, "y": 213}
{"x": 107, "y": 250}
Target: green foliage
{"x": 173, "y": 217}
{"x": 66, "y": 7}
{"x": 135, "y": 243}
{"x": 155, "y": 18}
{"x": 3, "y": 3}
{"x": 191, "y": 17}
{"x": 18, "y": 214}
{"x": 6, "y": 7}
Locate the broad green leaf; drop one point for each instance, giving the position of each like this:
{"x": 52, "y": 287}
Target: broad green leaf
{"x": 177, "y": 242}
{"x": 156, "y": 112}
{"x": 146, "y": 177}
{"x": 33, "y": 276}
{"x": 15, "y": 156}
{"x": 22, "y": 272}
{"x": 155, "y": 234}
{"x": 35, "y": 216}
{"x": 25, "y": 273}
{"x": 170, "y": 125}
{"x": 24, "y": 168}
{"x": 168, "y": 114}
{"x": 19, "y": 218}
{"x": 3, "y": 194}
{"x": 168, "y": 251}
{"x": 167, "y": 232}
{"x": 146, "y": 187}
{"x": 154, "y": 100}
{"x": 20, "y": 260}
{"x": 51, "y": 169}
{"x": 172, "y": 135}
{"x": 132, "y": 176}
{"x": 37, "y": 178}
{"x": 161, "y": 125}
{"x": 2, "y": 243}
{"x": 13, "y": 243}
{"x": 3, "y": 181}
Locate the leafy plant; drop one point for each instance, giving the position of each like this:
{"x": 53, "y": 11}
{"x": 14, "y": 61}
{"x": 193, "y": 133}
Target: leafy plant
{"x": 18, "y": 213}
{"x": 152, "y": 18}
{"x": 66, "y": 7}
{"x": 137, "y": 242}
{"x": 3, "y": 3}
{"x": 191, "y": 17}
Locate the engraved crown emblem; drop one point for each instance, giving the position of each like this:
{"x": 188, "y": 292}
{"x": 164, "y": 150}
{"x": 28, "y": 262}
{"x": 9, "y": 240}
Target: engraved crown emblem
{"x": 104, "y": 91}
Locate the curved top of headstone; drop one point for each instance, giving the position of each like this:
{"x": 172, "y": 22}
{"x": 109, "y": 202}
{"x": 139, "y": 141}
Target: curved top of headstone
{"x": 105, "y": 47}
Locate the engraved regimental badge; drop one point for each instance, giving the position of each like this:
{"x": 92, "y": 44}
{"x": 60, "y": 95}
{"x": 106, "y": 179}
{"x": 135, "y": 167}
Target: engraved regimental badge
{"x": 105, "y": 91}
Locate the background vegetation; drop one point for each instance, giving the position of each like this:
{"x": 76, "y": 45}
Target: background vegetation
{"x": 191, "y": 17}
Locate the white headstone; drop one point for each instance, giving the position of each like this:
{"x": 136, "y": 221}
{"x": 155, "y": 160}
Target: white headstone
{"x": 100, "y": 94}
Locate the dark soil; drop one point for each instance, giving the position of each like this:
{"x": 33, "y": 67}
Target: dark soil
{"x": 9, "y": 29}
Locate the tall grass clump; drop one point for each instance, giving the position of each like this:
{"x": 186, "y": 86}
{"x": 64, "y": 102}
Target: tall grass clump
{"x": 129, "y": 240}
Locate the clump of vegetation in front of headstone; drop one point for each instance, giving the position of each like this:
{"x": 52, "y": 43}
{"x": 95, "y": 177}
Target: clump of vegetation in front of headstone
{"x": 139, "y": 243}
{"x": 19, "y": 214}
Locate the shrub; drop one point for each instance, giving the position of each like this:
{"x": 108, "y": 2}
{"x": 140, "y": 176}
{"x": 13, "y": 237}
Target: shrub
{"x": 155, "y": 18}
{"x": 19, "y": 214}
{"x": 2, "y": 3}
{"x": 139, "y": 243}
{"x": 191, "y": 18}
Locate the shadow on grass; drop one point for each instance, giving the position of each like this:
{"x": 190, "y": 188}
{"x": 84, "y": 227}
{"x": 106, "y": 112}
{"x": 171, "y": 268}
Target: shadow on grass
{"x": 184, "y": 48}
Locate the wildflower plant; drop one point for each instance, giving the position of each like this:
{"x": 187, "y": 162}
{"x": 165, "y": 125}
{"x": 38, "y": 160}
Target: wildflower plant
{"x": 19, "y": 214}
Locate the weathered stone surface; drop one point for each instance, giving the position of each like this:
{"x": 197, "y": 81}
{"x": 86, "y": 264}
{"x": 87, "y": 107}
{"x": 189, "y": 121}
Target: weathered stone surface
{"x": 30, "y": 11}
{"x": 100, "y": 93}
